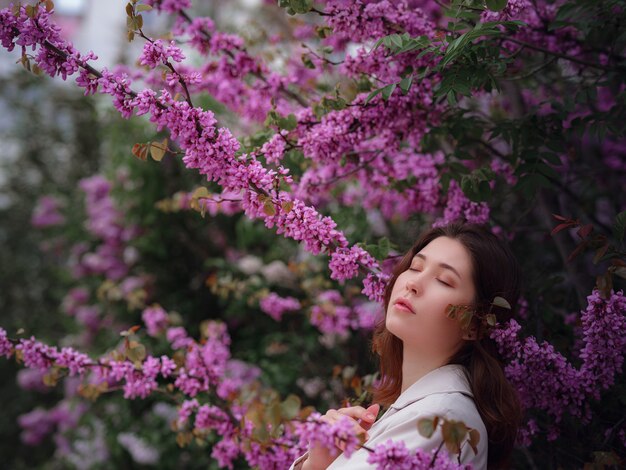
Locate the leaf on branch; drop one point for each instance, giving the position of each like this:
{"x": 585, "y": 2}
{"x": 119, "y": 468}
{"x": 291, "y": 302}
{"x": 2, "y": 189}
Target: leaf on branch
{"x": 290, "y": 407}
{"x": 604, "y": 284}
{"x": 52, "y": 378}
{"x": 373, "y": 94}
{"x": 496, "y": 5}
{"x": 600, "y": 252}
{"x": 323, "y": 31}
{"x": 405, "y": 84}
{"x": 577, "y": 251}
{"x": 136, "y": 352}
{"x": 619, "y": 226}
{"x": 426, "y": 426}
{"x": 287, "y": 206}
{"x": 585, "y": 230}
{"x": 388, "y": 91}
{"x": 184, "y": 438}
{"x": 92, "y": 391}
{"x": 140, "y": 151}
{"x": 268, "y": 207}
{"x": 454, "y": 432}
{"x": 620, "y": 271}
{"x": 474, "y": 439}
{"x": 301, "y": 6}
{"x": 501, "y": 302}
{"x": 158, "y": 150}
{"x": 196, "y": 196}
{"x": 308, "y": 63}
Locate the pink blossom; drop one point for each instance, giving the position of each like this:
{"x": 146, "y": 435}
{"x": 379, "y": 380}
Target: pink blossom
{"x": 212, "y": 417}
{"x": 186, "y": 410}
{"x": 329, "y": 315}
{"x": 345, "y": 262}
{"x": 225, "y": 452}
{"x": 275, "y": 306}
{"x": 6, "y": 347}
{"x": 178, "y": 338}
{"x": 76, "y": 362}
{"x": 157, "y": 53}
{"x": 169, "y": 6}
{"x": 46, "y": 213}
{"x": 460, "y": 208}
{"x": 155, "y": 319}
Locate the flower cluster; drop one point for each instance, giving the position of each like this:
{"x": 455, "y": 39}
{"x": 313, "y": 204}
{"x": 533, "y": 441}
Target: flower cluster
{"x": 105, "y": 222}
{"x": 46, "y": 213}
{"x": 275, "y": 306}
{"x": 544, "y": 377}
{"x": 155, "y": 319}
{"x": 329, "y": 315}
{"x": 157, "y": 53}
{"x": 394, "y": 455}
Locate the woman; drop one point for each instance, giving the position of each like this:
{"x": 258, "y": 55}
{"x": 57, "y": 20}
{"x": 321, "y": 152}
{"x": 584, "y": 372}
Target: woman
{"x": 430, "y": 364}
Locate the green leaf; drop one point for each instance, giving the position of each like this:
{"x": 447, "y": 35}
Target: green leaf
{"x": 451, "y": 98}
{"x": 454, "y": 432}
{"x": 290, "y": 407}
{"x": 323, "y": 31}
{"x": 301, "y": 6}
{"x": 373, "y": 94}
{"x": 289, "y": 123}
{"x": 501, "y": 302}
{"x": 308, "y": 63}
{"x": 142, "y": 7}
{"x": 426, "y": 426}
{"x": 496, "y": 5}
{"x": 405, "y": 84}
{"x": 136, "y": 352}
{"x": 384, "y": 246}
{"x": 619, "y": 226}
{"x": 388, "y": 91}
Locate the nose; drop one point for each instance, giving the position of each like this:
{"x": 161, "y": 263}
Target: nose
{"x": 413, "y": 284}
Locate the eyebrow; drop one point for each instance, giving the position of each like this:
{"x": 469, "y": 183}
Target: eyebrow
{"x": 443, "y": 265}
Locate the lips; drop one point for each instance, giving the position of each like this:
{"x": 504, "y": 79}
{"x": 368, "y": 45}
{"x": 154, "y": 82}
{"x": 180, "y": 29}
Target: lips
{"x": 404, "y": 304}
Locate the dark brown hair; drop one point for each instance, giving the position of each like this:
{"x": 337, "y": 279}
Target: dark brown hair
{"x": 495, "y": 272}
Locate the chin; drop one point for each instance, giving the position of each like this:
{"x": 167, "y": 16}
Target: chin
{"x": 392, "y": 327}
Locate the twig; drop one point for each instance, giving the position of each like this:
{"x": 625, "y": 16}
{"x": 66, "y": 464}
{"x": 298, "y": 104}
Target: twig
{"x": 561, "y": 55}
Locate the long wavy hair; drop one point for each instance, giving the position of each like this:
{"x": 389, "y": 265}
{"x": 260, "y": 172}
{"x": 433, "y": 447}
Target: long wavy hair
{"x": 495, "y": 272}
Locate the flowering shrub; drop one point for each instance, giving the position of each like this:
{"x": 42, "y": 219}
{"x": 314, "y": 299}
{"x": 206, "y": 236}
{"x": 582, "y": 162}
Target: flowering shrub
{"x": 379, "y": 114}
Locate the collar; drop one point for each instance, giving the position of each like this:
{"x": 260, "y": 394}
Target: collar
{"x": 444, "y": 379}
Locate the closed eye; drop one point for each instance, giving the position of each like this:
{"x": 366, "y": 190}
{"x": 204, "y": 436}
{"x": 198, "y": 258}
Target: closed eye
{"x": 444, "y": 283}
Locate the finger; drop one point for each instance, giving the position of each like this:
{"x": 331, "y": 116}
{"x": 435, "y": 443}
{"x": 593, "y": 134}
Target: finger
{"x": 370, "y": 416}
{"x": 358, "y": 412}
{"x": 336, "y": 415}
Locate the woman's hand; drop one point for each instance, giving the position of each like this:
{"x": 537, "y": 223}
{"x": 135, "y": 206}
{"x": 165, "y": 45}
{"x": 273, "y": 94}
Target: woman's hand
{"x": 320, "y": 457}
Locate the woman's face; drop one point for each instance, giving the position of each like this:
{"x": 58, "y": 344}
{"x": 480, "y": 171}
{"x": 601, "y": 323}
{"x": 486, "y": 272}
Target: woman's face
{"x": 440, "y": 274}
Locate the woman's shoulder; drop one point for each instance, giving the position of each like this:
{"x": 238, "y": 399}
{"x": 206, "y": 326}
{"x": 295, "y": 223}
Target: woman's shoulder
{"x": 456, "y": 406}
{"x": 452, "y": 405}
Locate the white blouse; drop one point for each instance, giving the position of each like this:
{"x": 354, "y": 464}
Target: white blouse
{"x": 444, "y": 391}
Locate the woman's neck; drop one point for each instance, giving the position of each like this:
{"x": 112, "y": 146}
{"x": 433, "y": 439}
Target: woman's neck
{"x": 415, "y": 366}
